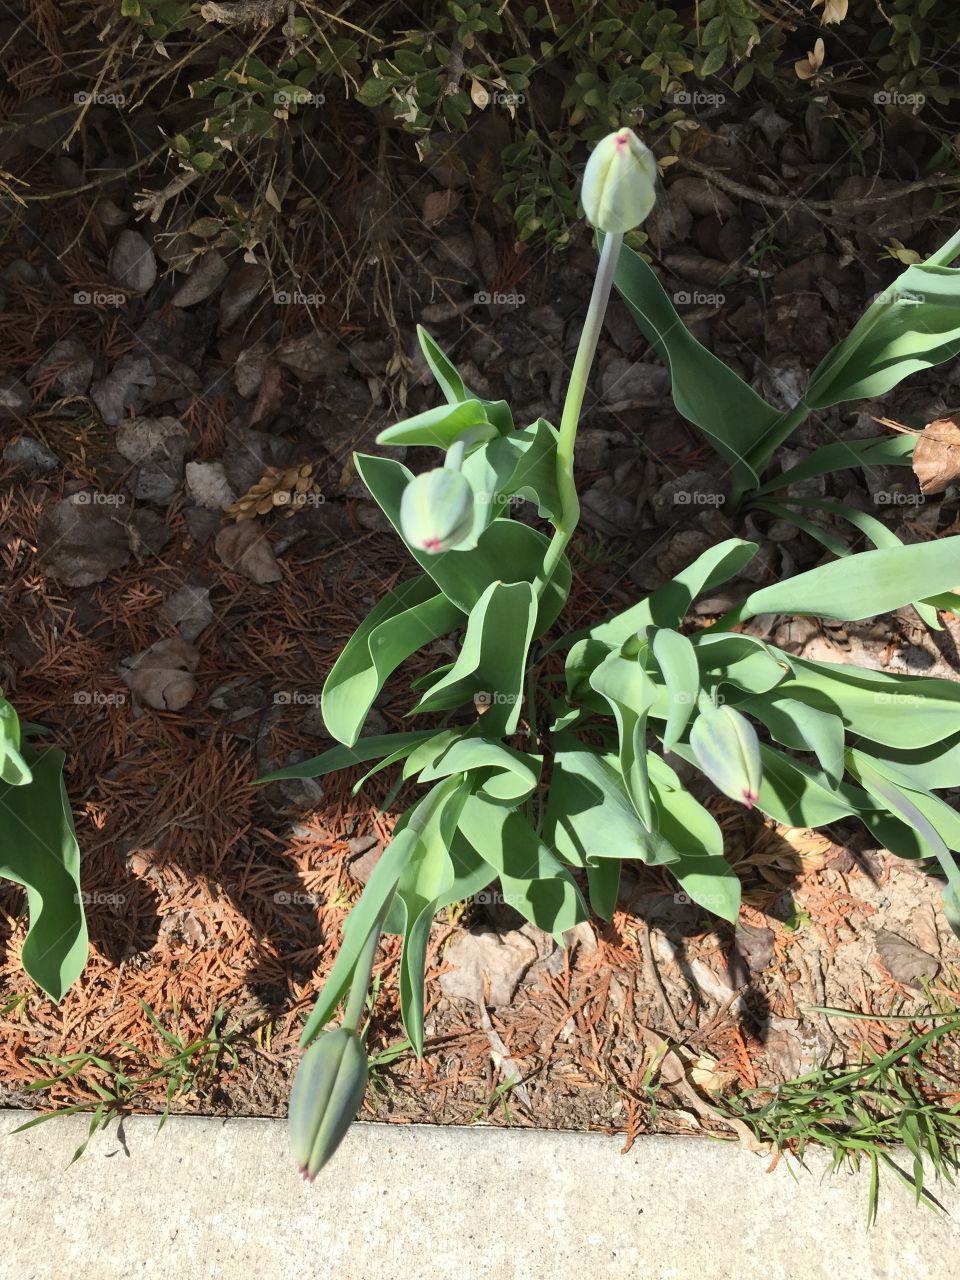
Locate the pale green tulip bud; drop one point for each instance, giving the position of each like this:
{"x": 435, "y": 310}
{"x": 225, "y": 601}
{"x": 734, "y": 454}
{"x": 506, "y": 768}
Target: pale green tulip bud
{"x": 436, "y": 510}
{"x": 327, "y": 1093}
{"x": 619, "y": 183}
{"x": 728, "y": 751}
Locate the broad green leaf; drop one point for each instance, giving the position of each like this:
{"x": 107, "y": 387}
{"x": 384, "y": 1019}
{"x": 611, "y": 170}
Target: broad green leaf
{"x": 590, "y": 817}
{"x": 356, "y": 929}
{"x": 344, "y": 757}
{"x": 39, "y": 850}
{"x": 690, "y": 828}
{"x": 705, "y": 391}
{"x": 527, "y": 460}
{"x": 864, "y": 585}
{"x": 492, "y": 658}
{"x": 929, "y": 768}
{"x": 802, "y": 727}
{"x": 603, "y": 883}
{"x": 452, "y": 385}
{"x": 913, "y": 325}
{"x": 471, "y": 873}
{"x": 13, "y": 767}
{"x": 876, "y": 451}
{"x": 899, "y": 711}
{"x": 744, "y": 661}
{"x": 668, "y": 605}
{"x": 834, "y": 544}
{"x": 534, "y": 881}
{"x": 441, "y": 426}
{"x": 630, "y": 693}
{"x": 936, "y": 822}
{"x": 410, "y": 616}
{"x": 873, "y": 529}
{"x": 505, "y": 547}
{"x": 511, "y": 775}
{"x": 677, "y": 660}
{"x": 711, "y": 883}
{"x": 427, "y": 877}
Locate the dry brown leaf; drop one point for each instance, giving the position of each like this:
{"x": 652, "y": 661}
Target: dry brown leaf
{"x": 936, "y": 457}
{"x": 808, "y": 67}
{"x": 162, "y": 676}
{"x": 438, "y": 204}
{"x": 245, "y": 547}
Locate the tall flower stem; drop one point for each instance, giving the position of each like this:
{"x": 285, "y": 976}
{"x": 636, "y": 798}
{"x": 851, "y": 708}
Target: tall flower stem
{"x": 360, "y": 986}
{"x": 572, "y": 406}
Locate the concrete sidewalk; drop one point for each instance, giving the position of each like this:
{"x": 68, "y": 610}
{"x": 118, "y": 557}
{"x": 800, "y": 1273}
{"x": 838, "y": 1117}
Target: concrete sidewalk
{"x": 208, "y": 1199}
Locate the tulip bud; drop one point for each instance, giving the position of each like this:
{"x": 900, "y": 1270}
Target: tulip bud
{"x": 327, "y": 1093}
{"x": 436, "y": 510}
{"x": 618, "y": 189}
{"x": 728, "y": 751}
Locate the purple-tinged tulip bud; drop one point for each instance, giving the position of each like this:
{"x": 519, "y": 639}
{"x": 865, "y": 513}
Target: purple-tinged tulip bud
{"x": 728, "y": 751}
{"x": 327, "y": 1093}
{"x": 619, "y": 183}
{"x": 437, "y": 510}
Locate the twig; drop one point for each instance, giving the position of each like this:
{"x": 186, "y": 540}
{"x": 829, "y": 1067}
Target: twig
{"x": 862, "y": 203}
{"x": 673, "y": 1025}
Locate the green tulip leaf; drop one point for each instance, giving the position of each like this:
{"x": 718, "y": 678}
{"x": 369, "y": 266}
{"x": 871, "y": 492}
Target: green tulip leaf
{"x": 534, "y": 881}
{"x": 492, "y": 658}
{"x": 409, "y": 617}
{"x": 39, "y": 850}
{"x": 864, "y": 585}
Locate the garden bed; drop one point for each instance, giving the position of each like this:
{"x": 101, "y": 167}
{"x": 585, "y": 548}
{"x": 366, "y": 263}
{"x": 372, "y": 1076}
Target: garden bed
{"x": 136, "y": 431}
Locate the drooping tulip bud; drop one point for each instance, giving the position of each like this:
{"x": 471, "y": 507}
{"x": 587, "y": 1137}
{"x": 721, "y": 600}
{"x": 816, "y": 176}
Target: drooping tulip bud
{"x": 436, "y": 510}
{"x": 619, "y": 183}
{"x": 327, "y": 1093}
{"x": 728, "y": 751}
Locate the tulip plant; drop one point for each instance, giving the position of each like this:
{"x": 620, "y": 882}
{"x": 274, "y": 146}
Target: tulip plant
{"x": 546, "y": 785}
{"x": 38, "y": 849}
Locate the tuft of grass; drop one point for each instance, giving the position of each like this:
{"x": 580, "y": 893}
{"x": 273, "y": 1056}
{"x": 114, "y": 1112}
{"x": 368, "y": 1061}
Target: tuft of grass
{"x": 187, "y": 1066}
{"x": 869, "y": 1113}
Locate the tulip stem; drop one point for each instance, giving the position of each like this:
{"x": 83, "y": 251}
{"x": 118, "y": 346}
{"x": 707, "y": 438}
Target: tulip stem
{"x": 569, "y": 503}
{"x": 455, "y": 455}
{"x": 360, "y": 986}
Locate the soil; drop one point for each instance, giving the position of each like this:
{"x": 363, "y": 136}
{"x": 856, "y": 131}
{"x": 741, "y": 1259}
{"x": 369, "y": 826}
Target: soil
{"x": 128, "y": 426}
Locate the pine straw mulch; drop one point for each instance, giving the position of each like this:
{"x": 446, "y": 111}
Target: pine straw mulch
{"x": 207, "y": 894}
